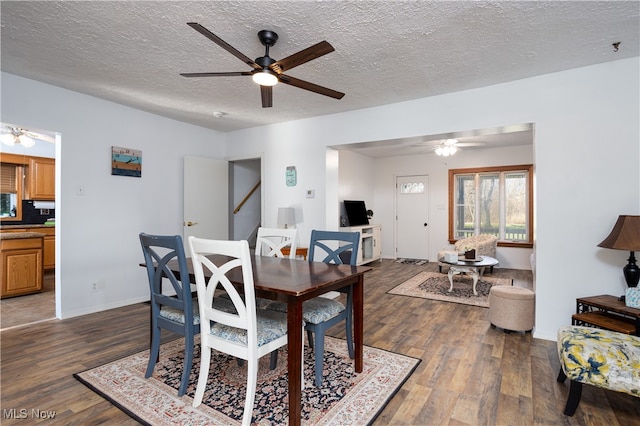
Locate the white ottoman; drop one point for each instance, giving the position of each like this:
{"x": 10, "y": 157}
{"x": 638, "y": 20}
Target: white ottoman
{"x": 512, "y": 308}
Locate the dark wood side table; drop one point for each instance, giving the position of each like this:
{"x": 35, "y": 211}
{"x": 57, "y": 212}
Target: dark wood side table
{"x": 607, "y": 312}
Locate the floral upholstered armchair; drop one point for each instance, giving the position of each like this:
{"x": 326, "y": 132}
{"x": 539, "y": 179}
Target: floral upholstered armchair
{"x": 484, "y": 244}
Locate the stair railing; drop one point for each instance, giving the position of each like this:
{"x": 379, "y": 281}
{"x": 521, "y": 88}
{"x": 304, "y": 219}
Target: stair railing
{"x": 246, "y": 197}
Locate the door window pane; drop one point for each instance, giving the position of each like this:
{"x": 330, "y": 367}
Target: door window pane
{"x": 412, "y": 188}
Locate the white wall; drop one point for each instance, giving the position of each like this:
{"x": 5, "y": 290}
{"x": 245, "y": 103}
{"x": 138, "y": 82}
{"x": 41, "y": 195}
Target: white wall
{"x": 586, "y": 156}
{"x": 356, "y": 181}
{"x": 97, "y": 233}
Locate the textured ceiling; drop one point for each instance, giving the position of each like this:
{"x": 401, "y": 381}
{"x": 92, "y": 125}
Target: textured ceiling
{"x": 385, "y": 52}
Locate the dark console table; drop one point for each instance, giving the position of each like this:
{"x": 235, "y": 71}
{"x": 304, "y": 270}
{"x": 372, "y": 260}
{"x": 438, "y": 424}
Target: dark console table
{"x": 607, "y": 312}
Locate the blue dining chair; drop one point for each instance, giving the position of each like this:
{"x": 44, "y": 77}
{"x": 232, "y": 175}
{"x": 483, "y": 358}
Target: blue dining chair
{"x": 178, "y": 313}
{"x": 322, "y": 313}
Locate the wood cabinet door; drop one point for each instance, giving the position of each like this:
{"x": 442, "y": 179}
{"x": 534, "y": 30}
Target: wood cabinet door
{"x": 21, "y": 271}
{"x": 42, "y": 179}
{"x": 49, "y": 252}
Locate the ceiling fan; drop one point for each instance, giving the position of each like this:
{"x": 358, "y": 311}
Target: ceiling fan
{"x": 448, "y": 147}
{"x": 267, "y": 72}
{"x": 11, "y": 135}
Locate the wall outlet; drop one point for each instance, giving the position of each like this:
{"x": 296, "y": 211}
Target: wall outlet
{"x": 95, "y": 286}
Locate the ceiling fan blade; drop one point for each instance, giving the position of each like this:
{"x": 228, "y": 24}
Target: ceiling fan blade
{"x": 226, "y": 46}
{"x": 310, "y": 86}
{"x": 306, "y": 55}
{"x": 267, "y": 96}
{"x": 462, "y": 144}
{"x": 40, "y": 137}
{"x": 214, "y": 74}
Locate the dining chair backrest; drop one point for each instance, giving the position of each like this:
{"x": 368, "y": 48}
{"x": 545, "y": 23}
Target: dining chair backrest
{"x": 169, "y": 312}
{"x": 336, "y": 247}
{"x": 244, "y": 318}
{"x": 158, "y": 251}
{"x": 271, "y": 241}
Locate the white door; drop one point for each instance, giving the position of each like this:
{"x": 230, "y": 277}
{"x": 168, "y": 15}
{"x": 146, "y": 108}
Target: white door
{"x": 412, "y": 217}
{"x": 206, "y": 200}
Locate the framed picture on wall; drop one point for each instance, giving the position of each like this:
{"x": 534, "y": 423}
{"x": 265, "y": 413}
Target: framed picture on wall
{"x": 126, "y": 162}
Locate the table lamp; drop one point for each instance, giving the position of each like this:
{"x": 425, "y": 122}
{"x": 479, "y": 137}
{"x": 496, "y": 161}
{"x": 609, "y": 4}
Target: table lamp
{"x": 286, "y": 216}
{"x": 626, "y": 236}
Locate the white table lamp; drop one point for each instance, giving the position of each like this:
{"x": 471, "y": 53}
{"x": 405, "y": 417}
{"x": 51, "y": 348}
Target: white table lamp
{"x": 286, "y": 216}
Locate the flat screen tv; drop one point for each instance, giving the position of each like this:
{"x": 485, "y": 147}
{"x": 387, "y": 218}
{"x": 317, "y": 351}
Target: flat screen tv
{"x": 356, "y": 212}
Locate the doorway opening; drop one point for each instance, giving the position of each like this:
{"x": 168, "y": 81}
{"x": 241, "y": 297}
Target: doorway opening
{"x": 39, "y": 144}
{"x": 245, "y": 199}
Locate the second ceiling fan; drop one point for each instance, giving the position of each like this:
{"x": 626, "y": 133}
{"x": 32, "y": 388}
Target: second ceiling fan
{"x": 267, "y": 72}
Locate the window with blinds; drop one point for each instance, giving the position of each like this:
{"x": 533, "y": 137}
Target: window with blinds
{"x": 11, "y": 191}
{"x": 8, "y": 181}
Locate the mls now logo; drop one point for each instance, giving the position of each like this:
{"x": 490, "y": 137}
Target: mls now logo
{"x": 23, "y": 413}
{"x": 14, "y": 413}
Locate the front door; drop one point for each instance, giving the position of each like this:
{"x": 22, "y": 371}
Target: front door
{"x": 206, "y": 200}
{"x": 412, "y": 217}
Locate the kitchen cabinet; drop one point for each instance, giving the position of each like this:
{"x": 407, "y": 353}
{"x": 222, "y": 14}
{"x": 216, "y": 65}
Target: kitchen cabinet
{"x": 21, "y": 266}
{"x": 48, "y": 245}
{"x": 42, "y": 179}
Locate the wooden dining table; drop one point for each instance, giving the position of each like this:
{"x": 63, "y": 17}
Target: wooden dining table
{"x": 293, "y": 281}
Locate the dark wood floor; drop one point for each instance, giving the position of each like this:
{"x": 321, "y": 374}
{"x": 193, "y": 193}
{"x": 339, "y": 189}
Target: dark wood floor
{"x": 470, "y": 374}
{"x": 30, "y": 308}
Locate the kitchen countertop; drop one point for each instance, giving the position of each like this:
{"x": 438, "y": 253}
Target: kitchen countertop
{"x": 20, "y": 235}
{"x": 23, "y": 226}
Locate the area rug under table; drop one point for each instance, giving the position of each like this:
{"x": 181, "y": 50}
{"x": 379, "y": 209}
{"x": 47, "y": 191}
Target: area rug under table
{"x": 345, "y": 398}
{"x": 432, "y": 285}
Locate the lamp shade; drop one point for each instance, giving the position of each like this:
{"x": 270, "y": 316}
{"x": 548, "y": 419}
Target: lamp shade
{"x": 286, "y": 216}
{"x": 625, "y": 234}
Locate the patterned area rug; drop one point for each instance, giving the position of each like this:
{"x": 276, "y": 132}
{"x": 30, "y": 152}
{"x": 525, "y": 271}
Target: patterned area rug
{"x": 345, "y": 398}
{"x": 412, "y": 261}
{"x": 432, "y": 285}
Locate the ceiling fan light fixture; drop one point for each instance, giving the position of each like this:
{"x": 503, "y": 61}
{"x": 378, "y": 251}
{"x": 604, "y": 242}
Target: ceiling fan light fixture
{"x": 26, "y": 141}
{"x": 8, "y": 139}
{"x": 445, "y": 150}
{"x": 265, "y": 77}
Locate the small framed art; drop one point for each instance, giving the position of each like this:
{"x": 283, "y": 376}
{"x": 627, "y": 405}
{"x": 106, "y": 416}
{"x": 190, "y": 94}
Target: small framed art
{"x": 126, "y": 162}
{"x": 291, "y": 176}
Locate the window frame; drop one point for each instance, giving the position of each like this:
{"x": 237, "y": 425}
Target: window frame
{"x": 494, "y": 169}
{"x": 20, "y": 162}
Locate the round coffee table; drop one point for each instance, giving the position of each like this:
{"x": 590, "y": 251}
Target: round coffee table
{"x": 475, "y": 268}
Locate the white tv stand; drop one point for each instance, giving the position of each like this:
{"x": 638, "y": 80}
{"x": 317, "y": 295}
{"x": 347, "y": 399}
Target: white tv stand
{"x": 370, "y": 247}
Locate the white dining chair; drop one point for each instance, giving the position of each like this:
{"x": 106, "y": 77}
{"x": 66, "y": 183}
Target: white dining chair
{"x": 249, "y": 333}
{"x": 271, "y": 241}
